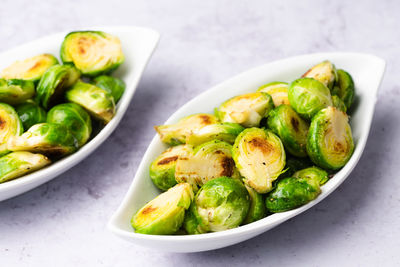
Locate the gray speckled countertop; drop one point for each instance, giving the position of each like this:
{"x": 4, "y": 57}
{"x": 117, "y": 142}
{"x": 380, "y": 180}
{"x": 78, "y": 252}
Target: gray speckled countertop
{"x": 62, "y": 223}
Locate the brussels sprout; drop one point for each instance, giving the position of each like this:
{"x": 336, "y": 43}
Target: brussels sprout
{"x": 260, "y": 157}
{"x": 292, "y": 129}
{"x": 247, "y": 109}
{"x": 330, "y": 142}
{"x": 92, "y": 52}
{"x": 257, "y": 206}
{"x": 50, "y": 139}
{"x": 98, "y": 102}
{"x": 16, "y": 164}
{"x": 175, "y": 134}
{"x": 226, "y": 131}
{"x": 338, "y": 103}
{"x": 294, "y": 164}
{"x": 10, "y": 125}
{"x": 30, "y": 113}
{"x": 30, "y": 69}
{"x": 307, "y": 96}
{"x": 51, "y": 87}
{"x": 291, "y": 193}
{"x": 207, "y": 161}
{"x": 313, "y": 173}
{"x": 16, "y": 91}
{"x": 164, "y": 215}
{"x": 190, "y": 222}
{"x": 114, "y": 86}
{"x": 75, "y": 118}
{"x": 162, "y": 169}
{"x": 278, "y": 91}
{"x": 325, "y": 72}
{"x": 344, "y": 88}
{"x": 221, "y": 204}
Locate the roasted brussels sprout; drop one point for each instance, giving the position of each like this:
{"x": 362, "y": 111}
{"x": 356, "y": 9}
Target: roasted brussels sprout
{"x": 114, "y": 86}
{"x": 175, "y": 134}
{"x": 98, "y": 102}
{"x": 162, "y": 169}
{"x": 10, "y": 125}
{"x": 75, "y": 118}
{"x": 278, "y": 91}
{"x": 344, "y": 88}
{"x": 292, "y": 129}
{"x": 30, "y": 69}
{"x": 226, "y": 131}
{"x": 220, "y": 204}
{"x": 338, "y": 103}
{"x": 260, "y": 157}
{"x": 247, "y": 109}
{"x": 313, "y": 173}
{"x": 164, "y": 215}
{"x": 51, "y": 87}
{"x": 207, "y": 161}
{"x": 257, "y": 207}
{"x": 50, "y": 139}
{"x": 325, "y": 72}
{"x": 16, "y": 164}
{"x": 30, "y": 113}
{"x": 16, "y": 91}
{"x": 330, "y": 141}
{"x": 307, "y": 96}
{"x": 92, "y": 52}
{"x": 294, "y": 164}
{"x": 291, "y": 193}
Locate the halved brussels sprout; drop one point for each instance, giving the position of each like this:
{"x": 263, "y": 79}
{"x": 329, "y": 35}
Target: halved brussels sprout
{"x": 92, "y": 52}
{"x": 294, "y": 164}
{"x": 50, "y": 139}
{"x": 114, "y": 86}
{"x": 257, "y": 206}
{"x": 291, "y": 193}
{"x": 16, "y": 164}
{"x": 247, "y": 109}
{"x": 307, "y": 96}
{"x": 177, "y": 133}
{"x": 30, "y": 113}
{"x": 162, "y": 169}
{"x": 220, "y": 204}
{"x": 164, "y": 215}
{"x": 314, "y": 173}
{"x": 226, "y": 131}
{"x": 16, "y": 91}
{"x": 98, "y": 102}
{"x": 292, "y": 129}
{"x": 325, "y": 72}
{"x": 278, "y": 91}
{"x": 338, "y": 103}
{"x": 10, "y": 125}
{"x": 330, "y": 142}
{"x": 30, "y": 69}
{"x": 207, "y": 161}
{"x": 260, "y": 157}
{"x": 51, "y": 87}
{"x": 344, "y": 88}
{"x": 75, "y": 118}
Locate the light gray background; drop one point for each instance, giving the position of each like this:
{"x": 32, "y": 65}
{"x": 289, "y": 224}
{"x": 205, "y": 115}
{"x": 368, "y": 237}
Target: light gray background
{"x": 62, "y": 223}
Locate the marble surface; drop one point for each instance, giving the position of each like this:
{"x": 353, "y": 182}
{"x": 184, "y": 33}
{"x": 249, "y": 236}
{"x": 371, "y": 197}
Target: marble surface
{"x": 62, "y": 223}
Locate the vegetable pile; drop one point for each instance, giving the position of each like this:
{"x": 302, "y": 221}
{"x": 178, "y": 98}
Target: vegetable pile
{"x": 46, "y": 108}
{"x": 261, "y": 153}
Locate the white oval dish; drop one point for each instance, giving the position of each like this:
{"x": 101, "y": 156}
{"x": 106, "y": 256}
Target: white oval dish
{"x": 367, "y": 71}
{"x": 138, "y": 45}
